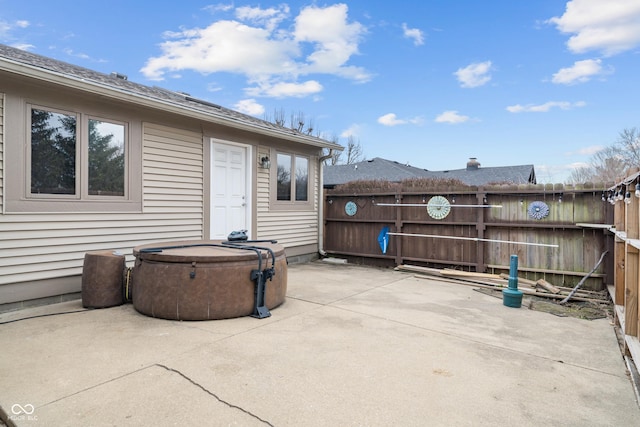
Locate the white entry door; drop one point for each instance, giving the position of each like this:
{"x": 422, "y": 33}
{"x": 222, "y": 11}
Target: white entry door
{"x": 230, "y": 195}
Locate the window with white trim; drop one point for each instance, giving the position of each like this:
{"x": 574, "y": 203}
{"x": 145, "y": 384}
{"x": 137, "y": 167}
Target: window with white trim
{"x": 292, "y": 177}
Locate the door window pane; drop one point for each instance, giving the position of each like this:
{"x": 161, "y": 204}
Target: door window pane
{"x": 106, "y": 158}
{"x": 284, "y": 177}
{"x": 53, "y": 152}
{"x": 302, "y": 178}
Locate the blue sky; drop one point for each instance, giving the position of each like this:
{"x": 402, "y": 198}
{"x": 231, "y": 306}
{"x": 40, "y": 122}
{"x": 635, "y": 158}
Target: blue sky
{"x": 429, "y": 83}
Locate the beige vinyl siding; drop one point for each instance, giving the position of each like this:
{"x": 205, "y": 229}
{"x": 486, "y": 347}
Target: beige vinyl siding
{"x": 173, "y": 171}
{"x": 262, "y": 190}
{"x": 39, "y": 247}
{"x": 1, "y": 152}
{"x": 289, "y": 228}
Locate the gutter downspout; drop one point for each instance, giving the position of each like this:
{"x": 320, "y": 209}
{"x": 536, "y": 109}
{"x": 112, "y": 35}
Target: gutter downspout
{"x": 321, "y": 203}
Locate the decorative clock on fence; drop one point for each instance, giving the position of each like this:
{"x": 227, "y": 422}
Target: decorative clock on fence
{"x": 438, "y": 207}
{"x": 351, "y": 208}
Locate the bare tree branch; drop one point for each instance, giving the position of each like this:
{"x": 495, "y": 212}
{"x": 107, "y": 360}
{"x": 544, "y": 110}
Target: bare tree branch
{"x": 612, "y": 163}
{"x": 298, "y": 122}
{"x": 629, "y": 142}
{"x": 354, "y": 151}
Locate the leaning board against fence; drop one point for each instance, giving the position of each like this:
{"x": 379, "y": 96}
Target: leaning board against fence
{"x": 558, "y": 232}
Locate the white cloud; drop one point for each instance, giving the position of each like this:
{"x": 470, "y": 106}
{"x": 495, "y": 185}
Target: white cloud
{"x": 413, "y": 33}
{"x": 81, "y": 55}
{"x": 249, "y": 106}
{"x": 270, "y": 18}
{"x": 577, "y": 165}
{"x": 270, "y": 50}
{"x": 6, "y": 28}
{"x": 333, "y": 38}
{"x": 71, "y": 52}
{"x": 220, "y": 7}
{"x": 23, "y": 46}
{"x": 585, "y": 151}
{"x": 223, "y": 46}
{"x": 353, "y": 130}
{"x": 580, "y": 72}
{"x": 451, "y": 117}
{"x": 609, "y": 27}
{"x": 213, "y": 87}
{"x": 284, "y": 89}
{"x": 391, "y": 119}
{"x": 543, "y": 108}
{"x": 474, "y": 75}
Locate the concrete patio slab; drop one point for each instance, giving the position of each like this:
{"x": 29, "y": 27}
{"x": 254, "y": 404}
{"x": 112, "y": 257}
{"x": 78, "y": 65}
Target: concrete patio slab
{"x": 350, "y": 346}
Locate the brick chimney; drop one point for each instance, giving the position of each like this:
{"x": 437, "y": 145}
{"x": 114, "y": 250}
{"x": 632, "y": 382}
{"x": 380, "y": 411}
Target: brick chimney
{"x": 473, "y": 164}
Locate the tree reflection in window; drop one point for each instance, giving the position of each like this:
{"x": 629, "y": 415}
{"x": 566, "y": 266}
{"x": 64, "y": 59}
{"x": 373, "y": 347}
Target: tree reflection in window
{"x": 53, "y": 153}
{"x": 106, "y": 158}
{"x": 292, "y": 178}
{"x": 302, "y": 178}
{"x": 284, "y": 176}
{"x": 55, "y": 144}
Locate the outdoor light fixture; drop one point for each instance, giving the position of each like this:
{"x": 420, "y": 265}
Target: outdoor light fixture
{"x": 620, "y": 195}
{"x": 560, "y": 198}
{"x": 604, "y": 198}
{"x": 265, "y": 163}
{"x": 627, "y": 197}
{"x": 638, "y": 189}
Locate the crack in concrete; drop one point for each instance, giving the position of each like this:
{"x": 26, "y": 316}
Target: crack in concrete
{"x": 230, "y": 405}
{"x": 224, "y": 402}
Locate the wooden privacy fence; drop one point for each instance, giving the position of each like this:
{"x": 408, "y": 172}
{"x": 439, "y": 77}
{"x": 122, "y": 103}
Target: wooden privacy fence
{"x": 625, "y": 289}
{"x": 490, "y": 219}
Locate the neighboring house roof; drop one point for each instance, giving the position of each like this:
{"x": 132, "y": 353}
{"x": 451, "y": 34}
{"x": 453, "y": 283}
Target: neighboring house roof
{"x": 387, "y": 170}
{"x": 117, "y": 86}
{"x": 370, "y": 170}
{"x": 521, "y": 174}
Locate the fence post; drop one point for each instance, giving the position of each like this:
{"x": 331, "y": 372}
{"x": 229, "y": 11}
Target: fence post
{"x": 398, "y": 229}
{"x": 480, "y": 227}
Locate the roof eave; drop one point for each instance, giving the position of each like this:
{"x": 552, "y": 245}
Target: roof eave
{"x": 62, "y": 79}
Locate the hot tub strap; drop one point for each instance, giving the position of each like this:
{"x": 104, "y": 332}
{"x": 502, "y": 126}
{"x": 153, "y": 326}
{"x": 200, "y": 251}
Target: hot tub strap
{"x": 260, "y": 310}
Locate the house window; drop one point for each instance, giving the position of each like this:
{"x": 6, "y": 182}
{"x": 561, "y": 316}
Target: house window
{"x": 106, "y": 158}
{"x": 302, "y": 179}
{"x": 76, "y": 156}
{"x": 292, "y": 178}
{"x": 53, "y": 152}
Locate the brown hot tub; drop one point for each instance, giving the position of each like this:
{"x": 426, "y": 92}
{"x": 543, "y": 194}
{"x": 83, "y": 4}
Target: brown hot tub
{"x": 206, "y": 279}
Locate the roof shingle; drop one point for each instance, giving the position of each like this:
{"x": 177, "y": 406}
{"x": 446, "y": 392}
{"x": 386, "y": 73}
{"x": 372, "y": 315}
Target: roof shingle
{"x": 119, "y": 84}
{"x": 388, "y": 170}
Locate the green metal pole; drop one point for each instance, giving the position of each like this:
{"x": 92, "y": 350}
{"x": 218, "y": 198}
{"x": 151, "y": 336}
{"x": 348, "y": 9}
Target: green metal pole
{"x": 512, "y": 297}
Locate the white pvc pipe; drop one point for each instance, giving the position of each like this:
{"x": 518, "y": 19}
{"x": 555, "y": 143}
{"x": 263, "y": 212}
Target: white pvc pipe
{"x": 475, "y": 239}
{"x": 321, "y": 160}
{"x": 425, "y": 205}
